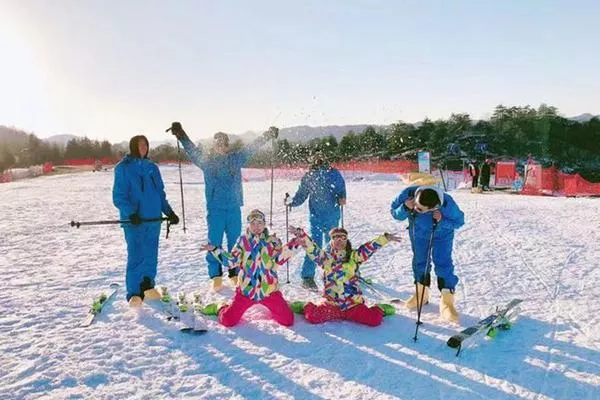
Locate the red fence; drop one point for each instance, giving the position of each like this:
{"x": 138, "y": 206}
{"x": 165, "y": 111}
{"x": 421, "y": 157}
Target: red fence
{"x": 550, "y": 181}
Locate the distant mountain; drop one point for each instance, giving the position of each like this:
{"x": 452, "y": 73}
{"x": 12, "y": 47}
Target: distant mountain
{"x": 584, "y": 117}
{"x": 60, "y": 140}
{"x": 12, "y": 135}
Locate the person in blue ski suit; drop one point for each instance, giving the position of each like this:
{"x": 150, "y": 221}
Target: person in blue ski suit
{"x": 433, "y": 217}
{"x": 139, "y": 195}
{"x": 325, "y": 189}
{"x": 222, "y": 169}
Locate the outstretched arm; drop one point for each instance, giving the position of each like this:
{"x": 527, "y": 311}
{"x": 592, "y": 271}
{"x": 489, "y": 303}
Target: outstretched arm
{"x": 302, "y": 193}
{"x": 314, "y": 252}
{"x": 365, "y": 251}
{"x": 232, "y": 259}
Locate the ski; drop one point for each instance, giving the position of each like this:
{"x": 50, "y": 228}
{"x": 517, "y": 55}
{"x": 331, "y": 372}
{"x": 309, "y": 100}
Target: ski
{"x": 183, "y": 311}
{"x": 98, "y": 304}
{"x": 368, "y": 284}
{"x": 500, "y": 319}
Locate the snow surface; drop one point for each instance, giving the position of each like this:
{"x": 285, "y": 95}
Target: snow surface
{"x": 542, "y": 249}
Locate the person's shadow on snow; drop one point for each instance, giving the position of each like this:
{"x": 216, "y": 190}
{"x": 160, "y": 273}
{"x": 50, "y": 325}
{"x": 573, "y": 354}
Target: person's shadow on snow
{"x": 525, "y": 359}
{"x": 260, "y": 359}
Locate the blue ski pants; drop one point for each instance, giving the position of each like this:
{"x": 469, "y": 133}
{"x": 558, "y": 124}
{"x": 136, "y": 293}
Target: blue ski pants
{"x": 222, "y": 222}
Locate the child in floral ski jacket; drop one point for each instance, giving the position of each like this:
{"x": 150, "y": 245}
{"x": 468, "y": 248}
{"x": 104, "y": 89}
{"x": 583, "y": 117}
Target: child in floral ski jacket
{"x": 257, "y": 256}
{"x": 342, "y": 297}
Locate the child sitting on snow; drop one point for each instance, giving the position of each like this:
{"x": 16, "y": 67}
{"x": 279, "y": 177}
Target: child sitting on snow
{"x": 342, "y": 297}
{"x": 256, "y": 255}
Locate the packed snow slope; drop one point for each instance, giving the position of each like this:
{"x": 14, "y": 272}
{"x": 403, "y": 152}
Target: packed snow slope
{"x": 541, "y": 249}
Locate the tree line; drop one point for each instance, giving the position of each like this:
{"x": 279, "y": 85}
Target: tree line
{"x": 511, "y": 132}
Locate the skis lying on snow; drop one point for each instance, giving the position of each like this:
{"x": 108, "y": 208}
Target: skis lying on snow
{"x": 183, "y": 310}
{"x": 99, "y": 303}
{"x": 368, "y": 284}
{"x": 501, "y": 319}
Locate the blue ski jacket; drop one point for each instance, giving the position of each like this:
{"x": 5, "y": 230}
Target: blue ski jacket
{"x": 422, "y": 224}
{"x": 323, "y": 187}
{"x": 222, "y": 174}
{"x": 138, "y": 187}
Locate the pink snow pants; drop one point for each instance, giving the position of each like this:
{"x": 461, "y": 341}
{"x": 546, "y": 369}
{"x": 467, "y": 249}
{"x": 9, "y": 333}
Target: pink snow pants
{"x": 362, "y": 314}
{"x": 282, "y": 313}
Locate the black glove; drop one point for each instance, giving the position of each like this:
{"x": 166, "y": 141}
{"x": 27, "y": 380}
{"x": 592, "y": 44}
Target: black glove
{"x": 177, "y": 130}
{"x": 272, "y": 133}
{"x": 173, "y": 218}
{"x": 135, "y": 219}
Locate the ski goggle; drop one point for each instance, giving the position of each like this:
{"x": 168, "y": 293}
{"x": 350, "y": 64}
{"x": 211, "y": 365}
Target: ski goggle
{"x": 338, "y": 233}
{"x": 256, "y": 215}
{"x": 422, "y": 210}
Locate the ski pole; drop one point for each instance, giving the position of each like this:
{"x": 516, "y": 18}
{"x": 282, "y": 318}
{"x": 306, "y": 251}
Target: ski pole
{"x": 181, "y": 187}
{"x": 342, "y": 214}
{"x": 180, "y": 179}
{"x": 287, "y": 234}
{"x": 427, "y": 274}
{"x": 272, "y": 172}
{"x": 77, "y": 224}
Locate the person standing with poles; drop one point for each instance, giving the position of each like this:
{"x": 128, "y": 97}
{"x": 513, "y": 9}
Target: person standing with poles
{"x": 139, "y": 195}
{"x": 222, "y": 169}
{"x": 325, "y": 189}
{"x": 433, "y": 216}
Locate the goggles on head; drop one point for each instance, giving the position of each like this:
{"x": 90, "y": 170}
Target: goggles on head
{"x": 338, "y": 233}
{"x": 256, "y": 215}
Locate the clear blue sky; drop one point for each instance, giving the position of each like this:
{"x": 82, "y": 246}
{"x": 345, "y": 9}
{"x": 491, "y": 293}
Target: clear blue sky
{"x": 111, "y": 69}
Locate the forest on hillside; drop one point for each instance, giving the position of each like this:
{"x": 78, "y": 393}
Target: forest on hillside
{"x": 510, "y": 133}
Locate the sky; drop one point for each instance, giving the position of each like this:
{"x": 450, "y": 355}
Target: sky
{"x": 112, "y": 69}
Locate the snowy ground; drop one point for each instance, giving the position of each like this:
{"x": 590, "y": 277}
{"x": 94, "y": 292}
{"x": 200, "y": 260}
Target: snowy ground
{"x": 544, "y": 250}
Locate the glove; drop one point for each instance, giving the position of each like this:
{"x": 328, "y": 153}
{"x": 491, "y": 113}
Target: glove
{"x": 135, "y": 219}
{"x": 272, "y": 133}
{"x": 173, "y": 218}
{"x": 177, "y": 130}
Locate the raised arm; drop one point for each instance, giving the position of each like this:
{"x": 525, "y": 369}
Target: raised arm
{"x": 398, "y": 209}
{"x": 241, "y": 157}
{"x": 193, "y": 152}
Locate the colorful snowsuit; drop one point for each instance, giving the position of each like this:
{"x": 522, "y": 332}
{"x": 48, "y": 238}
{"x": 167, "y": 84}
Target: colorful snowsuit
{"x": 139, "y": 188}
{"x": 256, "y": 258}
{"x": 342, "y": 296}
{"x": 224, "y": 195}
{"x": 420, "y": 229}
{"x": 323, "y": 187}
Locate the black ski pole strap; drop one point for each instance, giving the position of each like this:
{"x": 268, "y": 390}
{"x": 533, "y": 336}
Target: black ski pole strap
{"x": 168, "y": 229}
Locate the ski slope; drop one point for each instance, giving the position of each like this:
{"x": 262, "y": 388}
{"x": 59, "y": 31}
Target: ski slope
{"x": 543, "y": 250}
